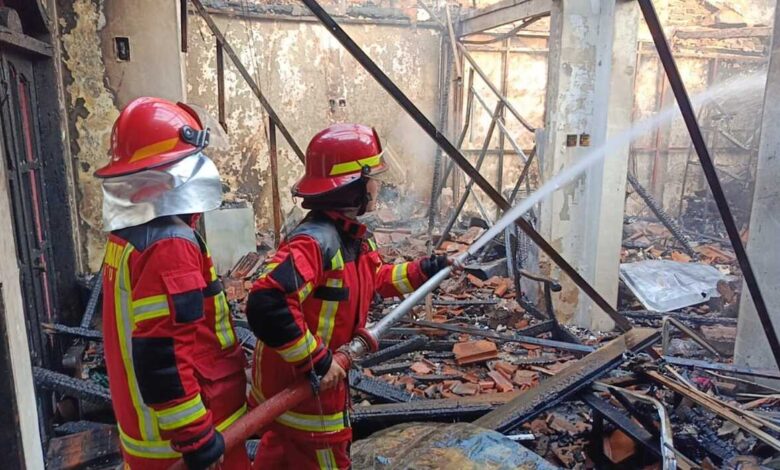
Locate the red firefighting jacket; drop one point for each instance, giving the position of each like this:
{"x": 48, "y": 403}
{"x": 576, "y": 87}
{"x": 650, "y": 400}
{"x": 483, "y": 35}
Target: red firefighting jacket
{"x": 311, "y": 297}
{"x": 167, "y": 333}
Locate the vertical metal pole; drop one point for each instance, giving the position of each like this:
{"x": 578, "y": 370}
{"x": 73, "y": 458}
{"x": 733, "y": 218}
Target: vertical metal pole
{"x": 684, "y": 102}
{"x": 221, "y": 86}
{"x": 183, "y": 23}
{"x": 500, "y": 166}
{"x": 276, "y": 200}
{"x": 465, "y": 196}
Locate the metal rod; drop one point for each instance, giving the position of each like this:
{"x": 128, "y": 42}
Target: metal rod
{"x": 504, "y": 131}
{"x": 503, "y": 135}
{"x": 247, "y": 77}
{"x": 183, "y": 22}
{"x": 667, "y": 336}
{"x": 221, "y": 86}
{"x": 453, "y": 41}
{"x": 495, "y": 90}
{"x": 275, "y": 198}
{"x": 464, "y": 197}
{"x": 467, "y": 122}
{"x": 689, "y": 116}
{"x": 427, "y": 126}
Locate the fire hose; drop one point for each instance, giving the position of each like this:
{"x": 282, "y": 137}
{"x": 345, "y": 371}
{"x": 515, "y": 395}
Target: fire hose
{"x": 366, "y": 340}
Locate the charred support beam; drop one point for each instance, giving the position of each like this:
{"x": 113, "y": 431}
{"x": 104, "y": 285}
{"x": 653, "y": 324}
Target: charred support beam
{"x": 246, "y": 76}
{"x": 567, "y": 382}
{"x": 689, "y": 116}
{"x": 440, "y": 346}
{"x": 379, "y": 389}
{"x": 616, "y": 417}
{"x": 662, "y": 216}
{"x": 444, "y": 410}
{"x": 685, "y": 318}
{"x": 715, "y": 406}
{"x": 426, "y": 125}
{"x": 734, "y": 369}
{"x": 414, "y": 343}
{"x": 83, "y": 389}
{"x": 501, "y": 13}
{"x": 95, "y": 295}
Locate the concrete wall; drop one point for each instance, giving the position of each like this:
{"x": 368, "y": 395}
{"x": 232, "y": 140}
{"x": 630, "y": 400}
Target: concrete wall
{"x": 301, "y": 68}
{"x": 297, "y": 64}
{"x": 98, "y": 85}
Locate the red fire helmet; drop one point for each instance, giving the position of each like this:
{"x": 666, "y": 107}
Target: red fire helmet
{"x": 152, "y": 132}
{"x": 339, "y": 155}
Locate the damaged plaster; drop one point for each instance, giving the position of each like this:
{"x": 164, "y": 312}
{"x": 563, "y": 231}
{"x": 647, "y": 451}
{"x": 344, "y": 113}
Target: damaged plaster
{"x": 92, "y": 116}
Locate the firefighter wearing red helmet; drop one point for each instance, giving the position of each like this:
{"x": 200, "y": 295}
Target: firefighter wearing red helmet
{"x": 314, "y": 294}
{"x": 176, "y": 372}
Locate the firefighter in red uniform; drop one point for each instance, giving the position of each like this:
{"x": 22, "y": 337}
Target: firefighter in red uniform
{"x": 175, "y": 370}
{"x": 315, "y": 293}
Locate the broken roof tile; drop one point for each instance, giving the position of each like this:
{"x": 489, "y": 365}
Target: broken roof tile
{"x": 470, "y": 352}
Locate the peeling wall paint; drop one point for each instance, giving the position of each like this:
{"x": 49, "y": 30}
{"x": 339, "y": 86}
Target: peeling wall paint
{"x": 92, "y": 112}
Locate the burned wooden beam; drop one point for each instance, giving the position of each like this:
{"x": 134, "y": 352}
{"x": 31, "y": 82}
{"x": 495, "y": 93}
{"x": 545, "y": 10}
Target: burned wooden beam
{"x": 447, "y": 410}
{"x": 379, "y": 389}
{"x": 568, "y": 381}
{"x": 687, "y": 318}
{"x": 94, "y": 448}
{"x": 77, "y": 331}
{"x": 82, "y": 389}
{"x": 725, "y": 411}
{"x": 616, "y": 417}
{"x": 441, "y": 346}
{"x": 734, "y": 369}
{"x": 391, "y": 368}
{"x": 415, "y": 343}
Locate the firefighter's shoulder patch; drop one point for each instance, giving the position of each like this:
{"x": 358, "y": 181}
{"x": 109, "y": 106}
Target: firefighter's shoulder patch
{"x": 325, "y": 233}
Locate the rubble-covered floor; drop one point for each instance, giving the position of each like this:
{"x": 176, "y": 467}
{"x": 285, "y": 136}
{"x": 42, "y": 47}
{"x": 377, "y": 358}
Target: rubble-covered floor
{"x": 476, "y": 347}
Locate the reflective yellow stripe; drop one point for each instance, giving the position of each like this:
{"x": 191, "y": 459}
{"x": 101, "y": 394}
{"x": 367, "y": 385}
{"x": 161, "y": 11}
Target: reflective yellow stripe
{"x": 356, "y": 165}
{"x": 328, "y": 314}
{"x": 305, "y": 291}
{"x": 372, "y": 244}
{"x": 232, "y": 418}
{"x": 154, "y": 149}
{"x": 337, "y": 262}
{"x": 182, "y": 414}
{"x": 160, "y": 449}
{"x": 400, "y": 279}
{"x": 312, "y": 423}
{"x": 156, "y": 449}
{"x": 267, "y": 269}
{"x": 326, "y": 459}
{"x": 150, "y": 307}
{"x": 224, "y": 329}
{"x": 302, "y": 348}
{"x": 147, "y": 421}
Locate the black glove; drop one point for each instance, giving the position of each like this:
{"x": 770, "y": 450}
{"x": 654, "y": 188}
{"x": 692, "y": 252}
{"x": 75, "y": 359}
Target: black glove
{"x": 206, "y": 454}
{"x": 434, "y": 264}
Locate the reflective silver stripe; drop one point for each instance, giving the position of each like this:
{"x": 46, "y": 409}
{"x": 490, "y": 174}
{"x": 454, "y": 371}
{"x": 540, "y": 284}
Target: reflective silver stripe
{"x": 147, "y": 449}
{"x": 328, "y": 314}
{"x": 312, "y": 423}
{"x": 302, "y": 348}
{"x": 182, "y": 414}
{"x": 147, "y": 422}
{"x": 400, "y": 280}
{"x": 224, "y": 331}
